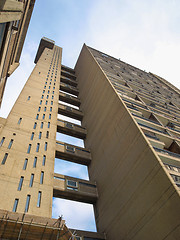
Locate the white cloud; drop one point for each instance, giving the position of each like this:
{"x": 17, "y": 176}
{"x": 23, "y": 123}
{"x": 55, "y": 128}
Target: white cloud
{"x": 77, "y": 215}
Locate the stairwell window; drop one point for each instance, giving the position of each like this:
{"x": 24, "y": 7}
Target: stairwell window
{"x": 32, "y": 135}
{"x": 29, "y": 148}
{"x": 42, "y": 177}
{"x": 15, "y": 205}
{"x": 27, "y": 203}
{"x": 40, "y": 135}
{"x": 42, "y": 124}
{"x": 25, "y": 164}
{"x": 45, "y": 146}
{"x": 20, "y": 183}
{"x": 10, "y": 144}
{"x": 39, "y": 199}
{"x": 4, "y": 158}
{"x": 37, "y": 147}
{"x": 44, "y": 160}
{"x": 19, "y": 121}
{"x": 31, "y": 180}
{"x": 2, "y": 141}
{"x": 35, "y": 125}
{"x": 35, "y": 162}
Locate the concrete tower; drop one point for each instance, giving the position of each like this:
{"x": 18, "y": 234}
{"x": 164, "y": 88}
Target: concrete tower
{"x": 130, "y": 123}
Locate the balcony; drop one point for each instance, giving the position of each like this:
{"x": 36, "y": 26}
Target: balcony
{"x": 73, "y": 153}
{"x": 70, "y": 112}
{"x": 69, "y": 99}
{"x": 74, "y": 189}
{"x": 167, "y": 153}
{"x": 68, "y": 74}
{"x": 68, "y": 81}
{"x": 67, "y": 69}
{"x": 67, "y": 88}
{"x": 154, "y": 129}
{"x": 71, "y": 129}
{"x": 146, "y": 119}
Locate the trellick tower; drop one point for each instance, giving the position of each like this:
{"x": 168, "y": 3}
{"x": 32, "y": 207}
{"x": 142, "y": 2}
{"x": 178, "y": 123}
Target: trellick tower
{"x": 130, "y": 121}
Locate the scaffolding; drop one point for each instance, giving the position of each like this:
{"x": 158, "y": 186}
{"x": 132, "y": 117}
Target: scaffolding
{"x": 19, "y": 228}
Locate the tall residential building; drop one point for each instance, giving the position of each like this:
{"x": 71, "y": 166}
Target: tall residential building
{"x": 15, "y": 16}
{"x": 130, "y": 124}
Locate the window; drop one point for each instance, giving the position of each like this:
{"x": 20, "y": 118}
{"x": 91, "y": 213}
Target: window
{"x": 40, "y": 135}
{"x": 39, "y": 109}
{"x": 47, "y": 96}
{"x": 39, "y": 199}
{"x": 29, "y": 148}
{"x": 35, "y": 124}
{"x": 46, "y": 102}
{"x": 45, "y": 146}
{"x": 50, "y": 83}
{"x": 19, "y": 121}
{"x": 72, "y": 183}
{"x": 49, "y": 116}
{"x": 10, "y": 144}
{"x": 50, "y": 109}
{"x": 42, "y": 177}
{"x": 45, "y": 87}
{"x": 15, "y": 205}
{"x": 27, "y": 203}
{"x": 20, "y": 183}
{"x": 41, "y": 102}
{"x": 70, "y": 148}
{"x": 53, "y": 87}
{"x": 42, "y": 124}
{"x": 52, "y": 92}
{"x": 31, "y": 180}
{"x": 2, "y": 141}
{"x": 52, "y": 97}
{"x": 35, "y": 162}
{"x": 42, "y": 96}
{"x": 45, "y": 83}
{"x": 49, "y": 87}
{"x": 51, "y": 102}
{"x": 37, "y": 116}
{"x": 25, "y": 164}
{"x": 44, "y": 160}
{"x": 48, "y": 124}
{"x": 47, "y": 134}
{"x": 43, "y": 116}
{"x": 43, "y": 91}
{"x": 29, "y": 97}
{"x": 32, "y": 135}
{"x": 44, "y": 109}
{"x": 48, "y": 91}
{"x": 4, "y": 158}
{"x": 37, "y": 147}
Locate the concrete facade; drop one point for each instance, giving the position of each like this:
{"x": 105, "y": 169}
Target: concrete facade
{"x": 130, "y": 125}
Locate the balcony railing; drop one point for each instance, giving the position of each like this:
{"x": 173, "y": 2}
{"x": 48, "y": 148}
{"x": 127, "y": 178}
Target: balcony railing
{"x": 154, "y": 129}
{"x": 147, "y": 119}
{"x": 176, "y": 155}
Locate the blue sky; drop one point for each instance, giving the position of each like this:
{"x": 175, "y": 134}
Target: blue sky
{"x": 143, "y": 33}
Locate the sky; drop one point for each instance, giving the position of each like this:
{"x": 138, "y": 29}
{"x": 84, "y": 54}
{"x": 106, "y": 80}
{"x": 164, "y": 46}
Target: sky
{"x": 143, "y": 33}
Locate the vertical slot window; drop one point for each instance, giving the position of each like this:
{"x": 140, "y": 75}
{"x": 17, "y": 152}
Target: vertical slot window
{"x": 25, "y": 164}
{"x": 2, "y": 141}
{"x": 35, "y": 162}
{"x": 50, "y": 109}
{"x": 10, "y": 144}
{"x": 47, "y": 96}
{"x": 4, "y": 158}
{"x": 40, "y": 135}
{"x": 48, "y": 124}
{"x": 44, "y": 109}
{"x": 39, "y": 199}
{"x": 43, "y": 116}
{"x": 42, "y": 177}
{"x": 52, "y": 97}
{"x": 46, "y": 102}
{"x": 37, "y": 147}
{"x": 29, "y": 148}
{"x": 27, "y": 203}
{"x": 42, "y": 124}
{"x": 31, "y": 180}
{"x": 40, "y": 102}
{"x": 29, "y": 97}
{"x": 19, "y": 121}
{"x": 45, "y": 87}
{"x": 35, "y": 125}
{"x": 32, "y": 135}
{"x": 45, "y": 146}
{"x": 15, "y": 205}
{"x": 47, "y": 134}
{"x": 51, "y": 102}
{"x": 39, "y": 109}
{"x": 49, "y": 87}
{"x": 20, "y": 183}
{"x": 42, "y": 96}
{"x": 44, "y": 160}
{"x": 37, "y": 116}
{"x": 49, "y": 116}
